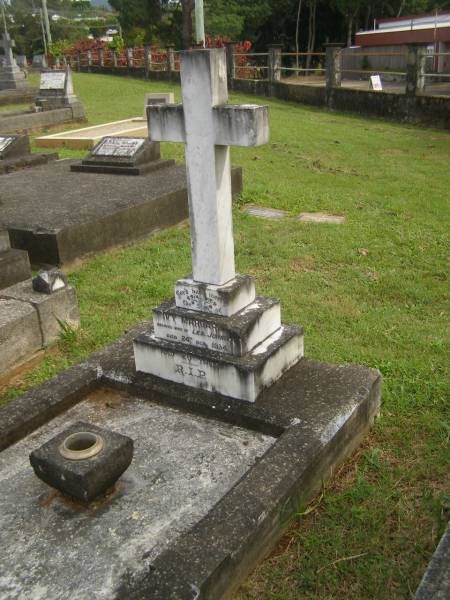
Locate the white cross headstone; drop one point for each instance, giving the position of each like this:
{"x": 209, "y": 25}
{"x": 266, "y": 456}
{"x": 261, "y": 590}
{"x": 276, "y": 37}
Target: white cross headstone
{"x": 208, "y": 127}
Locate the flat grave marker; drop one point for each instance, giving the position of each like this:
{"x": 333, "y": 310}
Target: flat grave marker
{"x": 320, "y": 217}
{"x": 53, "y": 80}
{"x": 264, "y": 213}
{"x": 118, "y": 146}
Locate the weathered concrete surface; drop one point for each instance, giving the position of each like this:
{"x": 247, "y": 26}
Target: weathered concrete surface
{"x": 17, "y": 96}
{"x": 27, "y": 161}
{"x": 29, "y": 320}
{"x": 59, "y": 216}
{"x": 314, "y": 416}
{"x": 24, "y": 122}
{"x": 14, "y": 267}
{"x": 435, "y": 584}
{"x": 20, "y": 334}
{"x": 61, "y": 305}
{"x": 183, "y": 465}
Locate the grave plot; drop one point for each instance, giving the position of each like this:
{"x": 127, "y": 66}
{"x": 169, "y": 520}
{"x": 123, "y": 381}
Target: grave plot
{"x": 30, "y": 309}
{"x": 56, "y": 103}
{"x": 11, "y": 77}
{"x": 47, "y": 216}
{"x": 231, "y": 426}
{"x": 15, "y": 154}
{"x": 88, "y": 137}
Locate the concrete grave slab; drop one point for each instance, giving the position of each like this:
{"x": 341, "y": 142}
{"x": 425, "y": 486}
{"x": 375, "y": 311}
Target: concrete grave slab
{"x": 47, "y": 215}
{"x": 87, "y": 137}
{"x": 264, "y": 213}
{"x": 207, "y": 495}
{"x": 320, "y": 217}
{"x": 435, "y": 584}
{"x": 59, "y": 306}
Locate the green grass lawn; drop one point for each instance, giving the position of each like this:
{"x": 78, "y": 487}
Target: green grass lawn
{"x": 372, "y": 291}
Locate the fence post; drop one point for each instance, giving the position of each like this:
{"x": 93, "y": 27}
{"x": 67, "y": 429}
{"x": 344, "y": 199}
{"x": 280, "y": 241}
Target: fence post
{"x": 415, "y": 69}
{"x": 170, "y": 59}
{"x": 147, "y": 60}
{"x": 129, "y": 54}
{"x": 114, "y": 58}
{"x": 89, "y": 58}
{"x": 333, "y": 65}
{"x": 231, "y": 70}
{"x": 78, "y": 60}
{"x": 274, "y": 62}
{"x": 101, "y": 57}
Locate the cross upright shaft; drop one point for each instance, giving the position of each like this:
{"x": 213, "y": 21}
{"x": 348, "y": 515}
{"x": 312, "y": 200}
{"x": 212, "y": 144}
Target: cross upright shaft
{"x": 208, "y": 126}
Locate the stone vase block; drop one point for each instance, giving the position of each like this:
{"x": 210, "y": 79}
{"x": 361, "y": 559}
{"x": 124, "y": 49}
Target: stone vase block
{"x": 83, "y": 479}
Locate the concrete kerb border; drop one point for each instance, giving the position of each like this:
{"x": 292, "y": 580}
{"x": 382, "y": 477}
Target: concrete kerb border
{"x": 216, "y": 554}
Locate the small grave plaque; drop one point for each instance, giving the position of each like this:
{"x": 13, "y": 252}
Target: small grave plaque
{"x": 118, "y": 146}
{"x": 375, "y": 83}
{"x": 123, "y": 156}
{"x": 53, "y": 80}
{"x": 155, "y": 98}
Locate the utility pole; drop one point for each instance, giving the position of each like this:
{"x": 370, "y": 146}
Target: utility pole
{"x": 4, "y": 15}
{"x": 43, "y": 32}
{"x": 47, "y": 22}
{"x": 199, "y": 23}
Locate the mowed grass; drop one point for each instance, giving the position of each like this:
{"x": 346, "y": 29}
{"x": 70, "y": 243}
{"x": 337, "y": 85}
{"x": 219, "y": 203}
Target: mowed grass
{"x": 371, "y": 291}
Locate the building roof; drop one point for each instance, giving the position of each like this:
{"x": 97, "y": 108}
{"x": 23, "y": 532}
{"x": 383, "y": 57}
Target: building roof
{"x": 422, "y": 29}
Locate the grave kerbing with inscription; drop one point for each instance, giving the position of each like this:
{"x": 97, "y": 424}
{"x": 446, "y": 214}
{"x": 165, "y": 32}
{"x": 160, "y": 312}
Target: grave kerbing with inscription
{"x": 123, "y": 156}
{"x": 216, "y": 334}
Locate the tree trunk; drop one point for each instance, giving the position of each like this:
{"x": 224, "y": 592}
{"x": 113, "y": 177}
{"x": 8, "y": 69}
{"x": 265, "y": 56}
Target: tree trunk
{"x": 187, "y": 6}
{"x": 297, "y": 33}
{"x": 349, "y": 30}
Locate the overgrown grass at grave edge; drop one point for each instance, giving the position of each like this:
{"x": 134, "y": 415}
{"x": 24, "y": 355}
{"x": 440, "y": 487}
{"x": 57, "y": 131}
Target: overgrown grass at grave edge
{"x": 372, "y": 291}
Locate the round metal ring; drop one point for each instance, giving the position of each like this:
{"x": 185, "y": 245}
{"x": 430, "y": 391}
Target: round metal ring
{"x": 81, "y": 445}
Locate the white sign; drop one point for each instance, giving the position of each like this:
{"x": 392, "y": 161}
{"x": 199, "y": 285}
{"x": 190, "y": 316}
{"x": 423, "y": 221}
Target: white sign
{"x": 118, "y": 146}
{"x": 5, "y": 142}
{"x": 53, "y": 80}
{"x": 375, "y": 83}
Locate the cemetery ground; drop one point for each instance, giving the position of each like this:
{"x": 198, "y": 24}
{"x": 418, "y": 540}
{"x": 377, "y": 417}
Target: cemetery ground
{"x": 370, "y": 291}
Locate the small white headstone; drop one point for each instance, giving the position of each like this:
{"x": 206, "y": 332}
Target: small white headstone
{"x": 375, "y": 83}
{"x": 53, "y": 80}
{"x": 162, "y": 98}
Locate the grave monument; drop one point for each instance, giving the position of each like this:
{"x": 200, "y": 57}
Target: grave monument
{"x": 11, "y": 76}
{"x": 123, "y": 156}
{"x": 56, "y": 91}
{"x": 216, "y": 334}
{"x": 232, "y": 429}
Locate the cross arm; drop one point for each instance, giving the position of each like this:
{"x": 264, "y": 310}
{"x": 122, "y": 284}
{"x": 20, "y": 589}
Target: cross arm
{"x": 241, "y": 125}
{"x": 234, "y": 125}
{"x": 166, "y": 123}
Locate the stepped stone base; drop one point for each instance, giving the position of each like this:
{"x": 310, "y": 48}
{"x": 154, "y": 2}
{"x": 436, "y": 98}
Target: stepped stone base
{"x": 237, "y": 355}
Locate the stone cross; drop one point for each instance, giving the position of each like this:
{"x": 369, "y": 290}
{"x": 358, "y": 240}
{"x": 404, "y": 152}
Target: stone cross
{"x": 208, "y": 127}
{"x": 8, "y": 44}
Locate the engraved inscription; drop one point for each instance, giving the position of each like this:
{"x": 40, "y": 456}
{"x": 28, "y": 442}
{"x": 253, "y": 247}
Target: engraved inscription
{"x": 55, "y": 80}
{"x": 118, "y": 146}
